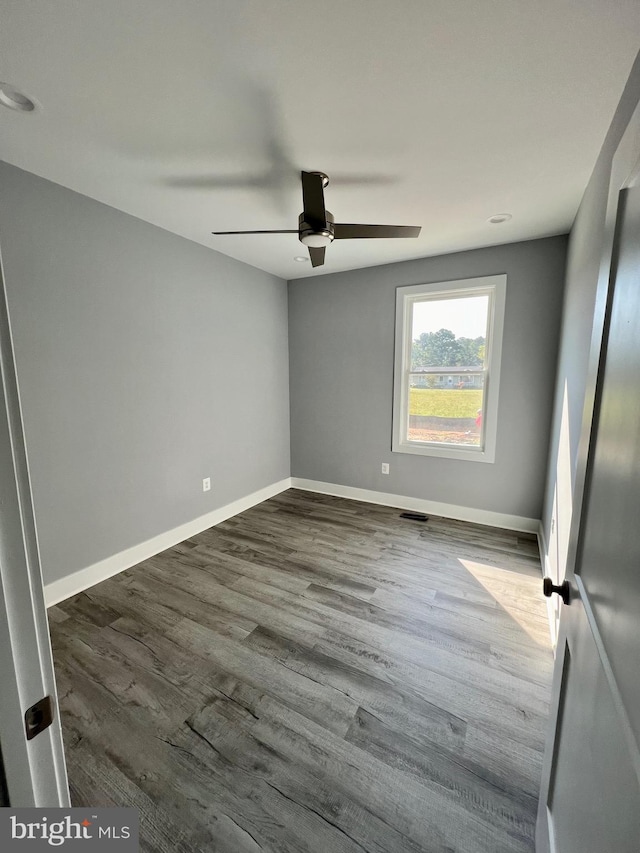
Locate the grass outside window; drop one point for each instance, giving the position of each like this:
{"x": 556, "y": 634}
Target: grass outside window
{"x": 444, "y": 403}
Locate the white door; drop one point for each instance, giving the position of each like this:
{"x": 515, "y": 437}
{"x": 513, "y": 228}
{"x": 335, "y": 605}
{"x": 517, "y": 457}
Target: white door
{"x": 34, "y": 767}
{"x": 590, "y": 799}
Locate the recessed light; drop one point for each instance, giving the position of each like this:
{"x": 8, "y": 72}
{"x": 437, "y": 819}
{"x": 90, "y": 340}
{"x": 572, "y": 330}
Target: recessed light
{"x": 10, "y": 97}
{"x": 498, "y": 218}
{"x": 300, "y": 259}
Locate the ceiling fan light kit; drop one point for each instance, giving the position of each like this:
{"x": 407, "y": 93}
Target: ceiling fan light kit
{"x": 313, "y": 236}
{"x": 317, "y": 228}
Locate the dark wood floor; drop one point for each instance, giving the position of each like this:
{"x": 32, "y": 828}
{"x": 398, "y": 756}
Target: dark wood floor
{"x": 315, "y": 675}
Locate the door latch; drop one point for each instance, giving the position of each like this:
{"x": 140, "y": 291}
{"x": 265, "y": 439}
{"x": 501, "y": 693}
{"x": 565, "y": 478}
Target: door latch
{"x": 38, "y": 717}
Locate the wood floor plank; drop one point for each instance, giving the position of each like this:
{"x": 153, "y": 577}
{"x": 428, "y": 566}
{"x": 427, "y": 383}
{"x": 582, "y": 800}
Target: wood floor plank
{"x": 315, "y": 674}
{"x": 472, "y": 786}
{"x": 316, "y": 701}
{"x": 422, "y": 618}
{"x": 422, "y": 816}
{"x": 403, "y": 711}
{"x": 517, "y": 716}
{"x": 260, "y": 743}
{"x": 439, "y": 653}
{"x": 288, "y": 573}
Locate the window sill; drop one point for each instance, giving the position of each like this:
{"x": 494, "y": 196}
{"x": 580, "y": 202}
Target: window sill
{"x": 468, "y": 454}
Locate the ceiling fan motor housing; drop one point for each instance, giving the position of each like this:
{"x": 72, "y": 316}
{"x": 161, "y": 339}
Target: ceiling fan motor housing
{"x": 317, "y": 228}
{"x": 316, "y": 237}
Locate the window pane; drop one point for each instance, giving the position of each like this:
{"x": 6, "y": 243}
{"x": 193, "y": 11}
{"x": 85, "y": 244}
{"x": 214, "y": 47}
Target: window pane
{"x": 449, "y": 332}
{"x": 447, "y": 362}
{"x": 449, "y": 413}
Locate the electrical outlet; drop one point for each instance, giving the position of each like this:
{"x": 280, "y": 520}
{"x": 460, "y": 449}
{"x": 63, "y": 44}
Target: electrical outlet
{"x": 385, "y": 468}
{"x": 206, "y": 484}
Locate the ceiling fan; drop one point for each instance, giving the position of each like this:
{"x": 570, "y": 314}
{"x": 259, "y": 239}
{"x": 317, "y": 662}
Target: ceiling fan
{"x": 316, "y": 226}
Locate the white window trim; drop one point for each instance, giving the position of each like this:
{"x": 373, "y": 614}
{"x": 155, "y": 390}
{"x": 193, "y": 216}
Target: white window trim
{"x": 496, "y": 287}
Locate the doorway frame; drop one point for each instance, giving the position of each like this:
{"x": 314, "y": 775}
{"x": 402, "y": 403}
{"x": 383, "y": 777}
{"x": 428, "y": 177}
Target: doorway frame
{"x": 34, "y": 769}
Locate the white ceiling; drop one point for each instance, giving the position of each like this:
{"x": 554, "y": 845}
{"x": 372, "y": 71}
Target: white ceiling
{"x": 454, "y": 109}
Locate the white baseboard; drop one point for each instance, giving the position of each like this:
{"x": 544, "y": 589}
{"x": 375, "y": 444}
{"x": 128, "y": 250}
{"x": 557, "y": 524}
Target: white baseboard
{"x": 462, "y": 513}
{"x": 57, "y": 591}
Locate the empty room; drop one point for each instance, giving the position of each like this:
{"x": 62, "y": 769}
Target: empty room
{"x": 320, "y": 345}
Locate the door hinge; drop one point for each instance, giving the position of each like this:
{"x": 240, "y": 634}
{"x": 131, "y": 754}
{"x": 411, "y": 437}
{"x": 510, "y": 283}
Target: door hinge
{"x": 38, "y": 717}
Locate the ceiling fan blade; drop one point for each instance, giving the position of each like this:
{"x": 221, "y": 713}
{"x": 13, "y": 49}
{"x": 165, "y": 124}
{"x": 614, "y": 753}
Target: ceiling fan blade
{"x": 313, "y": 208}
{"x": 356, "y": 232}
{"x": 218, "y": 182}
{"x": 317, "y": 255}
{"x": 361, "y": 179}
{"x": 218, "y": 233}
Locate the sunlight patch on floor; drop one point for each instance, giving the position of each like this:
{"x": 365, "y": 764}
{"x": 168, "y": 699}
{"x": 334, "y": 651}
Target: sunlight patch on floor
{"x": 509, "y": 589}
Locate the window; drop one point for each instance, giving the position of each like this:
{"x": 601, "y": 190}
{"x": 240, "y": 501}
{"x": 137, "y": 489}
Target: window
{"x": 447, "y": 368}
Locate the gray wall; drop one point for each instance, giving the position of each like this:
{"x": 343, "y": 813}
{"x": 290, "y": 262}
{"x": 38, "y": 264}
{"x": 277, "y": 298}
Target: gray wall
{"x": 341, "y": 348}
{"x": 585, "y": 247}
{"x": 145, "y": 363}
